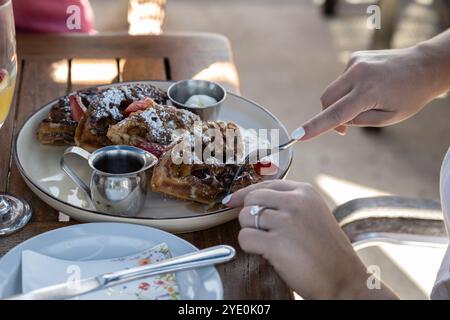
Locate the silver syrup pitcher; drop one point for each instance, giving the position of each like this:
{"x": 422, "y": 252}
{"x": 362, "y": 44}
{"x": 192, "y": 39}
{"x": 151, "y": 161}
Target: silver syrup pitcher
{"x": 119, "y": 177}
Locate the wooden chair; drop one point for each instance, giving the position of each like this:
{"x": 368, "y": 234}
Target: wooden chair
{"x": 366, "y": 218}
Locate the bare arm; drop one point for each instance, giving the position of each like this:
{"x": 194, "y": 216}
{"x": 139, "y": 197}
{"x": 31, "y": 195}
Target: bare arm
{"x": 436, "y": 53}
{"x": 381, "y": 88}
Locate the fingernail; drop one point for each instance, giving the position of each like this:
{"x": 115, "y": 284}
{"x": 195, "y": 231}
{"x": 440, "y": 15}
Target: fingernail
{"x": 227, "y": 199}
{"x": 341, "y": 130}
{"x": 298, "y": 133}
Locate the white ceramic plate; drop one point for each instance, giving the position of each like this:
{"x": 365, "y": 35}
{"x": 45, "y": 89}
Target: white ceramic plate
{"x": 39, "y": 166}
{"x": 95, "y": 241}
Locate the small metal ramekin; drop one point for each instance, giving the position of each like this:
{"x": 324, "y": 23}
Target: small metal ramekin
{"x": 181, "y": 91}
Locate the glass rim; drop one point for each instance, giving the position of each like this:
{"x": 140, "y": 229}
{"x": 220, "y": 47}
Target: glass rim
{"x": 2, "y": 5}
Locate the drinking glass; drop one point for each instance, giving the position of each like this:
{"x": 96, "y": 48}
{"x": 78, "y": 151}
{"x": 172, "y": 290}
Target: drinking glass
{"x": 14, "y": 212}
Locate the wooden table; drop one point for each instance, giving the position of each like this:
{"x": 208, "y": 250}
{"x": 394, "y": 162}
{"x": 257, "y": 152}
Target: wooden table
{"x": 52, "y": 66}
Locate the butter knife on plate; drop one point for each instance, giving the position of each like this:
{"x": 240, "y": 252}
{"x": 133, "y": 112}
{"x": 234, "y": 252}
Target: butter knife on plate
{"x": 197, "y": 259}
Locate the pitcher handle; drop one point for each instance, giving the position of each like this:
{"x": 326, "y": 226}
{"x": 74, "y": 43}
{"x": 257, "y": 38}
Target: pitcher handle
{"x": 68, "y": 170}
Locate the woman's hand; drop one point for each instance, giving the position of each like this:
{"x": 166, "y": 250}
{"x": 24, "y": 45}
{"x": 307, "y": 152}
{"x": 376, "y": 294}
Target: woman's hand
{"x": 302, "y": 240}
{"x": 379, "y": 88}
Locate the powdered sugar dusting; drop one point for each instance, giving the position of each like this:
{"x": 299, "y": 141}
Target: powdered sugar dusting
{"x": 113, "y": 96}
{"x": 154, "y": 123}
{"x": 108, "y": 104}
{"x": 162, "y": 121}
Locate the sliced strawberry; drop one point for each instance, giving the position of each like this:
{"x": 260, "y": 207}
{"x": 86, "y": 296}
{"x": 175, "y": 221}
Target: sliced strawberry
{"x": 154, "y": 148}
{"x": 266, "y": 168}
{"x": 77, "y": 107}
{"x": 138, "y": 105}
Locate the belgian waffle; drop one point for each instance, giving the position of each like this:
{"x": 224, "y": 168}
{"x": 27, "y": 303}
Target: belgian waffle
{"x": 157, "y": 124}
{"x": 205, "y": 182}
{"x": 102, "y": 108}
{"x": 59, "y": 127}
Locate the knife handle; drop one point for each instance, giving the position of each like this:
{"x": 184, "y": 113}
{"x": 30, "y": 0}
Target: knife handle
{"x": 198, "y": 259}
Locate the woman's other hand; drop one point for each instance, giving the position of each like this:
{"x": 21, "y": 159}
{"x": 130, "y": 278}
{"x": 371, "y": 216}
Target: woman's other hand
{"x": 301, "y": 239}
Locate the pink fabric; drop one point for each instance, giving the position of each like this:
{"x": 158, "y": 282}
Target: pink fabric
{"x": 51, "y": 15}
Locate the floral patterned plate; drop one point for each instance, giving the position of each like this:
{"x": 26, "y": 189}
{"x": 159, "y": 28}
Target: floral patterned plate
{"x": 113, "y": 246}
{"x": 39, "y": 271}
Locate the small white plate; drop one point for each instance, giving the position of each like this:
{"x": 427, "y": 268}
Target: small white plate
{"x": 94, "y": 241}
{"x": 39, "y": 165}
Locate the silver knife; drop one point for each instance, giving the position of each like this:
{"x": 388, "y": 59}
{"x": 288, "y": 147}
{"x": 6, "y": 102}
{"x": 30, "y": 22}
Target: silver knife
{"x": 198, "y": 259}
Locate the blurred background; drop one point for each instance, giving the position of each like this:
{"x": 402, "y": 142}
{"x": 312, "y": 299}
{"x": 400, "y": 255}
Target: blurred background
{"x": 287, "y": 52}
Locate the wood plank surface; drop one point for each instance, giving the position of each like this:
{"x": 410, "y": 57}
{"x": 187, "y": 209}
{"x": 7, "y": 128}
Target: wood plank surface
{"x": 85, "y": 73}
{"x": 63, "y": 64}
{"x": 188, "y": 54}
{"x": 136, "y": 69}
{"x": 106, "y": 46}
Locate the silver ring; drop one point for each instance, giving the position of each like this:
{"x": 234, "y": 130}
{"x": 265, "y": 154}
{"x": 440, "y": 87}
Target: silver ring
{"x": 256, "y": 212}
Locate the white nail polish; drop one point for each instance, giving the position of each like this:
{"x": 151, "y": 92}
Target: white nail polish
{"x": 227, "y": 199}
{"x": 298, "y": 133}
